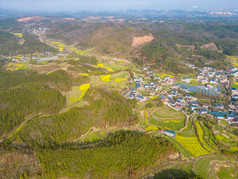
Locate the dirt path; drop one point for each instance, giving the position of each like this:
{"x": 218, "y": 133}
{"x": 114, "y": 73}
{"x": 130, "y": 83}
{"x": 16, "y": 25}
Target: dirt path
{"x": 94, "y": 129}
{"x": 186, "y": 122}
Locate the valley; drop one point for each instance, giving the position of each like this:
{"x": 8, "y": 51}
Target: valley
{"x": 118, "y": 99}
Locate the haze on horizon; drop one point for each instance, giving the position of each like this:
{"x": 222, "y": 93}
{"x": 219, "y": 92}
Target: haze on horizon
{"x": 72, "y": 5}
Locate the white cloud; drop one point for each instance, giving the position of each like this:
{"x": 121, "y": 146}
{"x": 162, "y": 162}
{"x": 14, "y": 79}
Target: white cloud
{"x": 195, "y": 7}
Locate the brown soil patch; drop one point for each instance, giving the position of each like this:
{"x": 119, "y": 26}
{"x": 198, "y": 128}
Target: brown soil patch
{"x": 49, "y": 67}
{"x": 210, "y": 46}
{"x": 69, "y": 18}
{"x": 25, "y": 19}
{"x": 191, "y": 47}
{"x": 138, "y": 41}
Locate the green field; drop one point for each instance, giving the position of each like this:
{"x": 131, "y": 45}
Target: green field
{"x": 202, "y": 165}
{"x": 170, "y": 125}
{"x": 226, "y": 172}
{"x": 77, "y": 93}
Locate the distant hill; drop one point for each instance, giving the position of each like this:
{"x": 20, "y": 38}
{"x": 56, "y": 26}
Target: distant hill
{"x": 115, "y": 40}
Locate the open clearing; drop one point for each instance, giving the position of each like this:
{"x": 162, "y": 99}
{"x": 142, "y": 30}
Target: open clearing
{"x": 49, "y": 67}
{"x": 77, "y": 93}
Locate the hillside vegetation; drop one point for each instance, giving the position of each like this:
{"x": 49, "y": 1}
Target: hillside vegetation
{"x": 112, "y": 40}
{"x": 122, "y": 154}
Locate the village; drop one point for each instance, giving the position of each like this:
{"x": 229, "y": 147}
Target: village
{"x": 212, "y": 83}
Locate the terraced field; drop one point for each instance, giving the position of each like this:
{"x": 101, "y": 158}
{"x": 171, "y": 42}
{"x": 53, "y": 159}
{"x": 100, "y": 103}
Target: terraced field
{"x": 200, "y": 133}
{"x": 173, "y": 125}
{"x": 166, "y": 113}
{"x": 168, "y": 118}
{"x": 192, "y": 145}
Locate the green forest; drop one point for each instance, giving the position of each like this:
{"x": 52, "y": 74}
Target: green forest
{"x": 111, "y": 109}
{"x": 121, "y": 155}
{"x": 25, "y": 100}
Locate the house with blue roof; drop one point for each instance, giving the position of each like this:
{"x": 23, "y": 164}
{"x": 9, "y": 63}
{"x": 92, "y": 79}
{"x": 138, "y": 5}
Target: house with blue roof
{"x": 231, "y": 116}
{"x": 140, "y": 98}
{"x": 213, "y": 81}
{"x": 138, "y": 85}
{"x": 220, "y": 116}
{"x": 234, "y": 97}
{"x": 130, "y": 96}
{"x": 157, "y": 78}
{"x": 187, "y": 96}
{"x": 220, "y": 106}
{"x": 192, "y": 107}
{"x": 146, "y": 86}
{"x": 195, "y": 103}
{"x": 204, "y": 80}
{"x": 186, "y": 79}
{"x": 170, "y": 133}
{"x": 202, "y": 111}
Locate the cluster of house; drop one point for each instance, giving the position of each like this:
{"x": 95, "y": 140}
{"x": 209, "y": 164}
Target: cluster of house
{"x": 22, "y": 59}
{"x": 133, "y": 93}
{"x": 167, "y": 79}
{"x": 180, "y": 101}
{"x": 208, "y": 75}
{"x": 218, "y": 111}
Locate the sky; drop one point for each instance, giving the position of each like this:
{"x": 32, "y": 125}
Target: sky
{"x": 72, "y": 5}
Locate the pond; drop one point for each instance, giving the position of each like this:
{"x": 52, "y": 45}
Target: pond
{"x": 44, "y": 59}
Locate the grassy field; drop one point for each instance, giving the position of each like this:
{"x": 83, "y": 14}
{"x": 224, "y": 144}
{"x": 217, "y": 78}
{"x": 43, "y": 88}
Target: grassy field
{"x": 190, "y": 133}
{"x": 192, "y": 145}
{"x": 122, "y": 74}
{"x": 226, "y": 172}
{"x": 168, "y": 118}
{"x": 77, "y": 93}
{"x": 202, "y": 165}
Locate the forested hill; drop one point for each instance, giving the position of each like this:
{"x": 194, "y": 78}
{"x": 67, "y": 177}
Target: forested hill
{"x": 123, "y": 154}
{"x": 11, "y": 45}
{"x": 176, "y": 43}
